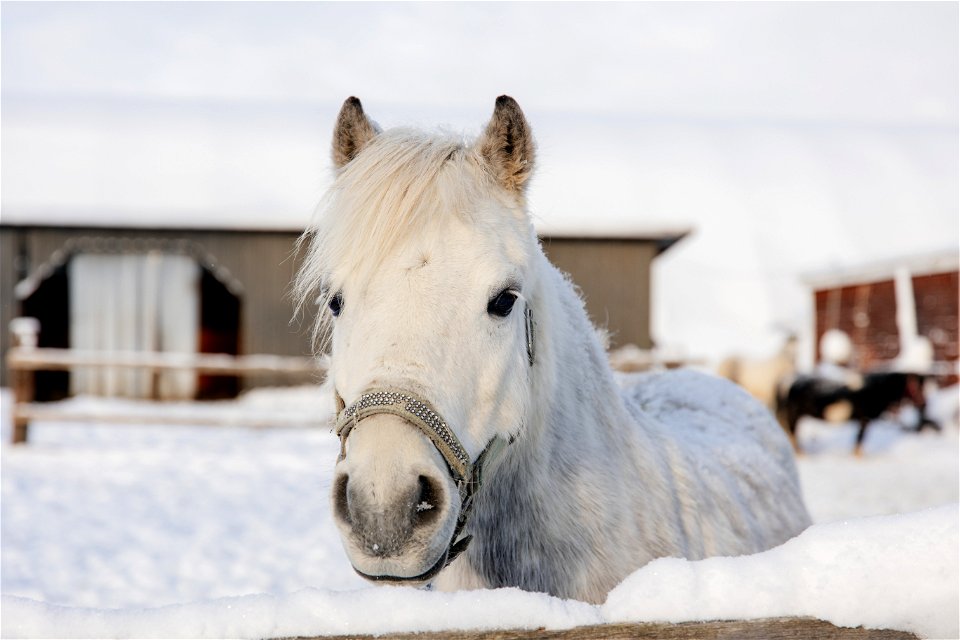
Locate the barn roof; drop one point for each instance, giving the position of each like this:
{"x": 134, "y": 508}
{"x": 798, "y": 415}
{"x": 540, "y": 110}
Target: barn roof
{"x": 944, "y": 261}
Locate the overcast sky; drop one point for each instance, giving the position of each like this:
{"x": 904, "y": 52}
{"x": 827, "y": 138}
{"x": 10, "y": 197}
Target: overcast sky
{"x": 789, "y": 136}
{"x": 889, "y": 62}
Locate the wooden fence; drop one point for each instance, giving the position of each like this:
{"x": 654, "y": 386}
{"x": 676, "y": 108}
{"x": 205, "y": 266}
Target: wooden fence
{"x": 25, "y": 359}
{"x": 765, "y": 629}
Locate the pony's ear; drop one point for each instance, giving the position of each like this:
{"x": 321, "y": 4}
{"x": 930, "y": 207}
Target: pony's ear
{"x": 353, "y": 132}
{"x": 507, "y": 145}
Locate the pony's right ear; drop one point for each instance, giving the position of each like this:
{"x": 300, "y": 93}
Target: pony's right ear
{"x": 354, "y": 130}
{"x": 507, "y": 145}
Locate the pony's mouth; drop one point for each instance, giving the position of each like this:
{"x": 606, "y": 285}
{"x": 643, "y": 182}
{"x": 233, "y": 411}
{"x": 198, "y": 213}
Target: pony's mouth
{"x": 417, "y": 580}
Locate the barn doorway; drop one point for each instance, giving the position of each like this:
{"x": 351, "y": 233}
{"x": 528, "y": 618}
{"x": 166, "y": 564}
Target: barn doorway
{"x": 49, "y": 303}
{"x": 138, "y": 301}
{"x": 219, "y": 333}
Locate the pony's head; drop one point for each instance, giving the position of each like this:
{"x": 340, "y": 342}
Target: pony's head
{"x": 423, "y": 259}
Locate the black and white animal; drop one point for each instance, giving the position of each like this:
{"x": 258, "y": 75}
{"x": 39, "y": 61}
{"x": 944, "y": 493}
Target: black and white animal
{"x": 835, "y": 401}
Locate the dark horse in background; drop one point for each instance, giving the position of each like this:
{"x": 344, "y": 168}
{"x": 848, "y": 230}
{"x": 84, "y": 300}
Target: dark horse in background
{"x": 826, "y": 399}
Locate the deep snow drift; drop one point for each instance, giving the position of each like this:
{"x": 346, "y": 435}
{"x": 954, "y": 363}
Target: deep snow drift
{"x": 165, "y": 531}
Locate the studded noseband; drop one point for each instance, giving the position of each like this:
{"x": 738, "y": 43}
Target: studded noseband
{"x": 467, "y": 475}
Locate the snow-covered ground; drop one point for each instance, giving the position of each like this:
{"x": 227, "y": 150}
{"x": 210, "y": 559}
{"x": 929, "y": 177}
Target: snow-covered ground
{"x": 126, "y": 531}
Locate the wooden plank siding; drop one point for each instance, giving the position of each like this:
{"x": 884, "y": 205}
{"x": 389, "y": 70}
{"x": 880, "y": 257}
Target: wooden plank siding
{"x": 10, "y": 273}
{"x": 868, "y": 314}
{"x": 938, "y": 312}
{"x": 614, "y": 278}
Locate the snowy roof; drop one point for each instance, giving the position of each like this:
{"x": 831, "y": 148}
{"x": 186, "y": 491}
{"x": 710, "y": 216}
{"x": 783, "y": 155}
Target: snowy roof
{"x": 943, "y": 261}
{"x": 223, "y": 166}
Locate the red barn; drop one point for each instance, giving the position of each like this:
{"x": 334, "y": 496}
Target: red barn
{"x": 883, "y": 305}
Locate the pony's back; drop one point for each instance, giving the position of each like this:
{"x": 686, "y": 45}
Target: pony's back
{"x": 730, "y": 460}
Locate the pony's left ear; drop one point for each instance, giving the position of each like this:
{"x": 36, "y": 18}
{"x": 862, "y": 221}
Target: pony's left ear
{"x": 354, "y": 130}
{"x": 507, "y": 145}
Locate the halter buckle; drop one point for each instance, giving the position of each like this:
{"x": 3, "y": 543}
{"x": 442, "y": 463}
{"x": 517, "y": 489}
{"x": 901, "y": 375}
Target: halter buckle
{"x": 528, "y": 324}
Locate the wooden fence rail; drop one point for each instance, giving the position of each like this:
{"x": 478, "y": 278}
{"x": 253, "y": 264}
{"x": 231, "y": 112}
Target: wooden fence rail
{"x": 764, "y": 629}
{"x": 24, "y": 361}
{"x": 34, "y": 359}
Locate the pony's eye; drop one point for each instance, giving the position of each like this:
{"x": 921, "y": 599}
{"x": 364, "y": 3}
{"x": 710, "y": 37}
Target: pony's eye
{"x": 336, "y": 303}
{"x": 502, "y": 303}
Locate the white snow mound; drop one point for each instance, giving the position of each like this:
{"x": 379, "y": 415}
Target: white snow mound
{"x": 898, "y": 572}
{"x": 883, "y": 572}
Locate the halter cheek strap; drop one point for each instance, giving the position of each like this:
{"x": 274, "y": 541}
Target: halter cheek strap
{"x": 418, "y": 412}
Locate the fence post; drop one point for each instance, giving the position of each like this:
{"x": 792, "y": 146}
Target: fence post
{"x": 25, "y": 335}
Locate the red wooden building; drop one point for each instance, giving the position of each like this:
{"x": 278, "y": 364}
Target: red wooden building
{"x": 883, "y": 305}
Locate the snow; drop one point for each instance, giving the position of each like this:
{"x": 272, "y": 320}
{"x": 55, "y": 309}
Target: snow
{"x": 178, "y": 531}
{"x": 904, "y": 566}
{"x": 306, "y": 612}
{"x": 836, "y": 347}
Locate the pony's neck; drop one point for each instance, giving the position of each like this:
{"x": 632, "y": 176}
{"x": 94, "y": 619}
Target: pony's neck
{"x": 547, "y": 503}
{"x": 574, "y": 380}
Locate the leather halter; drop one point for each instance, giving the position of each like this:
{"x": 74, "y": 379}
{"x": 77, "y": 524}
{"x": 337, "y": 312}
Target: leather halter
{"x": 467, "y": 475}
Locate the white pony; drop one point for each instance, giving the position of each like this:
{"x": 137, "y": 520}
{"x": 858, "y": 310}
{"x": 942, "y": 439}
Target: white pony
{"x": 485, "y": 442}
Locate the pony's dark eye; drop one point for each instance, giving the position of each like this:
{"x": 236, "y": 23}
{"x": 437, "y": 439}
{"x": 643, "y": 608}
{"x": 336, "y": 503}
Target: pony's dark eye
{"x": 502, "y": 303}
{"x": 336, "y": 303}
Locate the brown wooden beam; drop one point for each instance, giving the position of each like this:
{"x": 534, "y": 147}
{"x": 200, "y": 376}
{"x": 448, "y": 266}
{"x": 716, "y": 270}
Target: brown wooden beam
{"x": 765, "y": 629}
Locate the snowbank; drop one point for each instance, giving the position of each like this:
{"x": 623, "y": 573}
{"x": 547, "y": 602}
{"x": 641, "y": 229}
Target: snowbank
{"x": 898, "y": 572}
{"x": 156, "y": 530}
{"x": 305, "y": 613}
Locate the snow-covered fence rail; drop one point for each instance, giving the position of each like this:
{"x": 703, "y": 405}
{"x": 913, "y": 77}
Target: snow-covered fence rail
{"x": 24, "y": 360}
{"x": 764, "y": 629}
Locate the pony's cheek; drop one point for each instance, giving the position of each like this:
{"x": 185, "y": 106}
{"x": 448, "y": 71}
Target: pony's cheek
{"x": 501, "y": 398}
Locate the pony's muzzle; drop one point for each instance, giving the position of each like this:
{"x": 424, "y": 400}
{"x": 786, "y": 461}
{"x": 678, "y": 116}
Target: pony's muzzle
{"x": 385, "y": 530}
{"x": 393, "y": 501}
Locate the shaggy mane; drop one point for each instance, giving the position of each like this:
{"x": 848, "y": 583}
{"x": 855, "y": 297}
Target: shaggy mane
{"x": 394, "y": 189}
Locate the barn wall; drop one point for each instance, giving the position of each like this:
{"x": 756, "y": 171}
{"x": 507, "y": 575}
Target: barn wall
{"x": 8, "y": 279}
{"x": 936, "y": 298}
{"x": 614, "y": 278}
{"x": 867, "y": 312}
{"x": 261, "y": 261}
{"x": 264, "y": 263}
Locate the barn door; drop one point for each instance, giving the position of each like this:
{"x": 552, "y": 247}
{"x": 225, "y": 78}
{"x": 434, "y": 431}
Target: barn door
{"x": 134, "y": 302}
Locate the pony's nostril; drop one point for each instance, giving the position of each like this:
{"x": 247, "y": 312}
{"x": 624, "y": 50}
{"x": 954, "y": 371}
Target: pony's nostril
{"x": 427, "y": 506}
{"x": 340, "y": 505}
